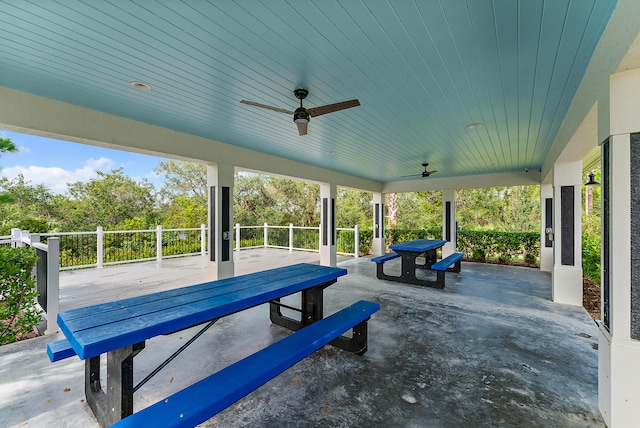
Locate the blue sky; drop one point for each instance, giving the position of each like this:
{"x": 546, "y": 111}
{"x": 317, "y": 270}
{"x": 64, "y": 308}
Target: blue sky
{"x": 55, "y": 163}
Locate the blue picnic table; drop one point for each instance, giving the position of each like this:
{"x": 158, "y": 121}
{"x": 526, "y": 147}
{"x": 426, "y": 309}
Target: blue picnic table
{"x": 409, "y": 252}
{"x": 119, "y": 329}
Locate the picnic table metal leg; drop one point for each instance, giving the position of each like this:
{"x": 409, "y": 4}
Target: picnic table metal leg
{"x": 409, "y": 267}
{"x": 311, "y": 307}
{"x": 357, "y": 343}
{"x": 117, "y": 402}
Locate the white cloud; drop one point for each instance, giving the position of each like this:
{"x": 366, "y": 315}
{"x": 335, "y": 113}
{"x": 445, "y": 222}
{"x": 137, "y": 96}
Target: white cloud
{"x": 56, "y": 178}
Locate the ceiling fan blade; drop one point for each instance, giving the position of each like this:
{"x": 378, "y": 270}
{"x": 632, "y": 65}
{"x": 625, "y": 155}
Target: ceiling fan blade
{"x": 412, "y": 175}
{"x": 330, "y": 108}
{"x": 281, "y": 110}
{"x": 431, "y": 172}
{"x": 302, "y": 126}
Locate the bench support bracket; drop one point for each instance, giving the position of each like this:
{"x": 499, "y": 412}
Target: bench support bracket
{"x": 117, "y": 402}
{"x": 312, "y": 311}
{"x": 357, "y": 343}
{"x": 311, "y": 308}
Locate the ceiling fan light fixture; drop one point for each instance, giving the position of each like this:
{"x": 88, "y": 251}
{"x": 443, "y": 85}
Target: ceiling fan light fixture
{"x": 301, "y": 118}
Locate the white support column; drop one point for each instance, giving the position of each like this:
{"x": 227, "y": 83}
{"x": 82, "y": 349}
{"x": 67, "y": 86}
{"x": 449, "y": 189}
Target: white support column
{"x": 546, "y": 222}
{"x": 203, "y": 239}
{"x": 619, "y": 329}
{"x": 328, "y": 252}
{"x": 291, "y": 237}
{"x": 53, "y": 285}
{"x": 449, "y": 228}
{"x": 238, "y": 238}
{"x": 220, "y": 184}
{"x": 159, "y": 244}
{"x": 356, "y": 241}
{"x": 567, "y": 236}
{"x": 378, "y": 224}
{"x": 99, "y": 247}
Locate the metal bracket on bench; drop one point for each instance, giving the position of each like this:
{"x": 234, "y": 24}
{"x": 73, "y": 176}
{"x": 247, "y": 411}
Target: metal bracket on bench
{"x": 357, "y": 343}
{"x": 116, "y": 403}
{"x": 311, "y": 308}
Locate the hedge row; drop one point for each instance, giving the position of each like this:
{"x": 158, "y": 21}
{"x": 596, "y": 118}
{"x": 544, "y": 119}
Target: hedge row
{"x": 482, "y": 246}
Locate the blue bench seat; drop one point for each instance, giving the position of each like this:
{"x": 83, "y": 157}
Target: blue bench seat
{"x": 59, "y": 350}
{"x": 446, "y": 263}
{"x": 382, "y": 259}
{"x": 204, "y": 399}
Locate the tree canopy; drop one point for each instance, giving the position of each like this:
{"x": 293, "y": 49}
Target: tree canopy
{"x": 6, "y": 146}
{"x": 114, "y": 201}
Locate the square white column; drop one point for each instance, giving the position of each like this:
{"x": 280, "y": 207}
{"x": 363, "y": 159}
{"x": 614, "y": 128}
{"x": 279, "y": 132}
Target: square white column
{"x": 546, "y": 222}
{"x": 220, "y": 186}
{"x": 449, "y": 228}
{"x": 619, "y": 328}
{"x": 378, "y": 224}
{"x": 328, "y": 249}
{"x": 567, "y": 233}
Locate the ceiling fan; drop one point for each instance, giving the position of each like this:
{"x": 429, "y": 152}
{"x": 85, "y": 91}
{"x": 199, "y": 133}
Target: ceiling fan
{"x": 301, "y": 115}
{"x": 424, "y": 174}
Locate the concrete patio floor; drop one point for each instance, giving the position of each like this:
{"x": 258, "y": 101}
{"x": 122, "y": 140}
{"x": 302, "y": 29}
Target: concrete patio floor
{"x": 489, "y": 350}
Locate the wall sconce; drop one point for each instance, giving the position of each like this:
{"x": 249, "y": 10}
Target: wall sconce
{"x": 592, "y": 181}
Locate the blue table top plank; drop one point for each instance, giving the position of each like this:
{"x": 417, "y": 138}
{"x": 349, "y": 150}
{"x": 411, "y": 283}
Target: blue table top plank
{"x": 94, "y": 330}
{"x": 418, "y": 245}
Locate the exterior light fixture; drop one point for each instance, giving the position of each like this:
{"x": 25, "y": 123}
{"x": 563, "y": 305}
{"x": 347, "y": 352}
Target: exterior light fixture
{"x": 140, "y": 86}
{"x": 592, "y": 181}
{"x": 474, "y": 126}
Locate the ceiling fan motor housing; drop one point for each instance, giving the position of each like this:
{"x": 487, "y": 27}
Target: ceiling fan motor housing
{"x": 300, "y": 93}
{"x": 300, "y": 114}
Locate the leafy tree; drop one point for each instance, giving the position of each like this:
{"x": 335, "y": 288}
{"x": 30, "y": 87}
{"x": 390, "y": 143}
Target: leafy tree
{"x": 109, "y": 200}
{"x": 250, "y": 199}
{"x": 184, "y": 212}
{"x": 278, "y": 201}
{"x": 420, "y": 210}
{"x": 354, "y": 207}
{"x": 31, "y": 207}
{"x": 499, "y": 208}
{"x": 6, "y": 146}
{"x": 183, "y": 179}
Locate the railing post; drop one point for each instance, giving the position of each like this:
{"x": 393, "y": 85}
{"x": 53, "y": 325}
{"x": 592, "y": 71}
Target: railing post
{"x": 266, "y": 235}
{"x": 319, "y": 237}
{"x": 159, "y": 243}
{"x": 25, "y": 237}
{"x": 99, "y": 247}
{"x": 238, "y": 237}
{"x": 16, "y": 238}
{"x": 53, "y": 284}
{"x": 203, "y": 239}
{"x": 356, "y": 241}
{"x": 291, "y": 237}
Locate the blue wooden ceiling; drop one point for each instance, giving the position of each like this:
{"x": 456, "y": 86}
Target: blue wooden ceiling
{"x": 422, "y": 70}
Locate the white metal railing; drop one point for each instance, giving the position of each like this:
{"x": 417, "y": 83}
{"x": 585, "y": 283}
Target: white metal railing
{"x": 298, "y": 238}
{"x": 101, "y": 248}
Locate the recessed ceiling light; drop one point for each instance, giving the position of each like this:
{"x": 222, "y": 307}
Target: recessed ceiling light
{"x": 140, "y": 86}
{"x": 474, "y": 125}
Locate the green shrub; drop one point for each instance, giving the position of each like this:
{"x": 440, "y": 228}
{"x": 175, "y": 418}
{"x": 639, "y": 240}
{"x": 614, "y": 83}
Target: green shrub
{"x": 591, "y": 257}
{"x": 18, "y": 313}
